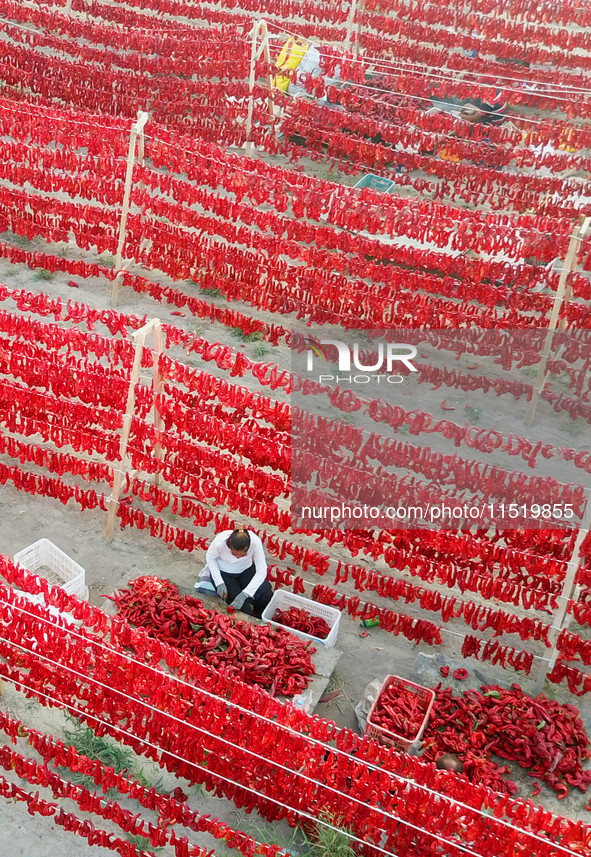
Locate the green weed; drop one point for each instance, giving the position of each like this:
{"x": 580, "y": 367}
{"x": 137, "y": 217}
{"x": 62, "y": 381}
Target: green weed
{"x": 21, "y": 240}
{"x": 294, "y": 843}
{"x": 474, "y": 413}
{"x": 144, "y": 843}
{"x": 91, "y": 745}
{"x": 260, "y": 349}
{"x": 108, "y": 751}
{"x": 210, "y": 292}
{"x": 330, "y": 842}
{"x": 108, "y": 260}
{"x": 255, "y": 336}
{"x": 42, "y": 274}
{"x": 574, "y": 427}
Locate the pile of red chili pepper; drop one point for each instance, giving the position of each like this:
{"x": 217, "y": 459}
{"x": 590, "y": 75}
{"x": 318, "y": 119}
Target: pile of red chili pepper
{"x": 538, "y": 733}
{"x": 400, "y": 710}
{"x": 257, "y": 654}
{"x": 301, "y": 620}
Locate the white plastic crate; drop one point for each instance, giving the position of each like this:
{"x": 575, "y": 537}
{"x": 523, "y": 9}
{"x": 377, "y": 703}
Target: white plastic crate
{"x": 48, "y": 561}
{"x": 283, "y": 600}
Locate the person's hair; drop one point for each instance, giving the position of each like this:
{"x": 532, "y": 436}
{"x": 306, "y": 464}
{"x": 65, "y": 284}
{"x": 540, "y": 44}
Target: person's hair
{"x": 239, "y": 540}
{"x": 450, "y": 762}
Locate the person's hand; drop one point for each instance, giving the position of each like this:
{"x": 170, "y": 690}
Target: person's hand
{"x": 238, "y": 602}
{"x": 222, "y": 591}
{"x": 471, "y": 113}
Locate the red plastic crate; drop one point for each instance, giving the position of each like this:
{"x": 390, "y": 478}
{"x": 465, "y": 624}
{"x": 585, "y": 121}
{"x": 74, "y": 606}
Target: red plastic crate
{"x": 390, "y": 739}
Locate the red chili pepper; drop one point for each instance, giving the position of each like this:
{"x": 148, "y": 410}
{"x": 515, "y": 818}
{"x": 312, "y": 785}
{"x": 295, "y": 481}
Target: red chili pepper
{"x": 445, "y": 407}
{"x": 539, "y": 734}
{"x": 258, "y": 654}
{"x": 399, "y": 710}
{"x": 461, "y": 674}
{"x": 444, "y": 671}
{"x": 301, "y": 620}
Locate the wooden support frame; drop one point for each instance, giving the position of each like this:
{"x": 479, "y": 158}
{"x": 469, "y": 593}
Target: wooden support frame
{"x": 259, "y": 30}
{"x": 350, "y": 22}
{"x": 136, "y": 143}
{"x": 360, "y": 11}
{"x": 139, "y": 337}
{"x": 561, "y": 617}
{"x": 563, "y": 294}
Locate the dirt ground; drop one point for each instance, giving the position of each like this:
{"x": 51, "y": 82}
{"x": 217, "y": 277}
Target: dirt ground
{"x": 81, "y": 535}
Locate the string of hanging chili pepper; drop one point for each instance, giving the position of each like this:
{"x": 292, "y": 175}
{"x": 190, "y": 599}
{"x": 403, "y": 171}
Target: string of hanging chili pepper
{"x": 169, "y": 809}
{"x": 215, "y": 774}
{"x": 62, "y": 600}
{"x": 75, "y": 599}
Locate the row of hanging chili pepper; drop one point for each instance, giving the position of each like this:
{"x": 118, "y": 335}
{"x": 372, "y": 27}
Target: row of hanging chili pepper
{"x": 347, "y": 782}
{"x": 425, "y": 27}
{"x": 313, "y": 294}
{"x": 176, "y": 158}
{"x": 194, "y": 381}
{"x": 182, "y": 373}
{"x": 170, "y": 809}
{"x": 47, "y": 223}
{"x": 156, "y": 496}
{"x": 573, "y": 644}
{"x": 469, "y": 172}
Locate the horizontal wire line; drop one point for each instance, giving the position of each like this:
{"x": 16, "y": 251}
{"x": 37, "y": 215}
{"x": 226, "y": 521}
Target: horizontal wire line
{"x": 284, "y": 727}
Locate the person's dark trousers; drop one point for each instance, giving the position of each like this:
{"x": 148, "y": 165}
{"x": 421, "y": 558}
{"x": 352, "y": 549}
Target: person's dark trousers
{"x": 235, "y": 583}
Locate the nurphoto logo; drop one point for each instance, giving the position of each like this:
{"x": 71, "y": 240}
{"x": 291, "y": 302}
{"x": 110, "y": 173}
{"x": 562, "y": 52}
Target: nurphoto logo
{"x": 394, "y": 352}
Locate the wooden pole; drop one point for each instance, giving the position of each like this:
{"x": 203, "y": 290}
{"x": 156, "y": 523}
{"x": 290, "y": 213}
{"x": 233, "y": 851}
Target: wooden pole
{"x": 68, "y": 8}
{"x": 560, "y": 619}
{"x": 569, "y": 264}
{"x": 267, "y": 53}
{"x": 569, "y": 289}
{"x": 139, "y": 337}
{"x": 360, "y": 11}
{"x": 350, "y": 22}
{"x": 157, "y": 388}
{"x": 259, "y": 28}
{"x": 136, "y": 129}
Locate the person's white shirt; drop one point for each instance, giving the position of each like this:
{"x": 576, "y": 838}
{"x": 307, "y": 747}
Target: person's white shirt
{"x": 219, "y": 558}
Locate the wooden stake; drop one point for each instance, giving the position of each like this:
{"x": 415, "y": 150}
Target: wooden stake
{"x": 259, "y": 28}
{"x": 137, "y": 129}
{"x": 350, "y": 22}
{"x": 560, "y": 619}
{"x": 139, "y": 337}
{"x": 68, "y": 8}
{"x": 569, "y": 289}
{"x": 569, "y": 264}
{"x": 360, "y": 11}
{"x": 157, "y": 388}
